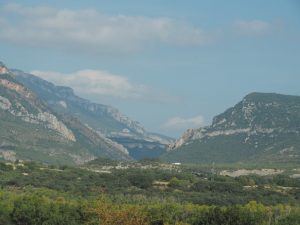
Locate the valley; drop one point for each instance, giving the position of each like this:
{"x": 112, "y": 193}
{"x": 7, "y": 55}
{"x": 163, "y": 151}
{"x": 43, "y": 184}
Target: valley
{"x": 67, "y": 160}
{"x": 153, "y": 112}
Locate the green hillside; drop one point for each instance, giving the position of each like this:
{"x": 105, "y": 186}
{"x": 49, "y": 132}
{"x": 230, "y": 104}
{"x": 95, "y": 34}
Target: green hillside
{"x": 260, "y": 128}
{"x": 32, "y": 131}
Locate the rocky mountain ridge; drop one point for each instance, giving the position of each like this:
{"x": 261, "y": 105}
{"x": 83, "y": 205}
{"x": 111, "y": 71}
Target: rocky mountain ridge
{"x": 64, "y": 97}
{"x": 28, "y": 126}
{"x": 40, "y": 116}
{"x": 261, "y": 124}
{"x": 108, "y": 121}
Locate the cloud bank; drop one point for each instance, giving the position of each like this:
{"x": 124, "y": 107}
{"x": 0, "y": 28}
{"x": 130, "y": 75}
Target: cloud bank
{"x": 92, "y": 31}
{"x": 179, "y": 123}
{"x": 89, "y": 29}
{"x": 100, "y": 83}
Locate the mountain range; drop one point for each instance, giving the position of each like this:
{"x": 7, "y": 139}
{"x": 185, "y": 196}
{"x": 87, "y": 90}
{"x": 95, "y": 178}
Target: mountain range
{"x": 29, "y": 129}
{"x": 263, "y": 127}
{"x": 42, "y": 121}
{"x": 107, "y": 121}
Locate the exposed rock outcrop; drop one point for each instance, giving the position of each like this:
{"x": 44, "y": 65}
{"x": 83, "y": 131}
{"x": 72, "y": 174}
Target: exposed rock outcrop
{"x": 30, "y": 129}
{"x": 262, "y": 126}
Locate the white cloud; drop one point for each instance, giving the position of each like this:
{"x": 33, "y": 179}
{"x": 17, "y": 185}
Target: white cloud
{"x": 179, "y": 123}
{"x": 102, "y": 83}
{"x": 252, "y": 27}
{"x": 89, "y": 29}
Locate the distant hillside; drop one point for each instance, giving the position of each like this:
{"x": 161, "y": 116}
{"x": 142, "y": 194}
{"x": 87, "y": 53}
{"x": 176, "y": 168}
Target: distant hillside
{"x": 263, "y": 127}
{"x": 106, "y": 120}
{"x": 30, "y": 130}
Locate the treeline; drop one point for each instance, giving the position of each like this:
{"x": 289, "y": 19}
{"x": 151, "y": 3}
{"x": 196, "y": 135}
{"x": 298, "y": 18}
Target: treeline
{"x": 45, "y": 207}
{"x": 37, "y": 194}
{"x": 153, "y": 183}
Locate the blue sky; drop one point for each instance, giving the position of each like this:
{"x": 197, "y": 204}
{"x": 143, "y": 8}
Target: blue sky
{"x": 169, "y": 64}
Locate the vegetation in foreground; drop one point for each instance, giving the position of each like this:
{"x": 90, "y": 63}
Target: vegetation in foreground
{"x": 33, "y": 193}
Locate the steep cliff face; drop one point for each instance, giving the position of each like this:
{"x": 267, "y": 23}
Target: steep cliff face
{"x": 24, "y": 105}
{"x": 261, "y": 127}
{"x": 106, "y": 120}
{"x": 31, "y": 130}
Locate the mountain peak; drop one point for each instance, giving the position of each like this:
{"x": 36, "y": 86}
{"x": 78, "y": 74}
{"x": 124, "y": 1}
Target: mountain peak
{"x": 260, "y": 125}
{"x": 268, "y": 97}
{"x": 40, "y": 133}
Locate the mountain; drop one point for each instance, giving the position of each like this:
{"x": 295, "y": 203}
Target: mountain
{"x": 263, "y": 127}
{"x": 106, "y": 120}
{"x": 30, "y": 130}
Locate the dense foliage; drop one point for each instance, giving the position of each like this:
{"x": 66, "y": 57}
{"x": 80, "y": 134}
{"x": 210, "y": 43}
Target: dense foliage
{"x": 33, "y": 193}
{"x": 42, "y": 206}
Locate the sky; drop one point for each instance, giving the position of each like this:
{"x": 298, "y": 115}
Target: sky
{"x": 169, "y": 64}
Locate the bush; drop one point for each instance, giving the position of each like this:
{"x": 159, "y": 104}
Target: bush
{"x": 141, "y": 180}
{"x": 37, "y": 210}
{"x": 290, "y": 220}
